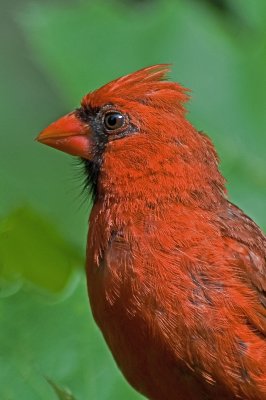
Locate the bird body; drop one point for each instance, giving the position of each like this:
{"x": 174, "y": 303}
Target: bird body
{"x": 176, "y": 273}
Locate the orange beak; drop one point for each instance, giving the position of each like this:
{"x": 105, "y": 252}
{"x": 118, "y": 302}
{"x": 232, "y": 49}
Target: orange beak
{"x": 68, "y": 134}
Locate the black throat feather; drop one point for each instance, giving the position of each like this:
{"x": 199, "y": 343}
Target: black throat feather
{"x": 92, "y": 171}
{"x": 99, "y": 139}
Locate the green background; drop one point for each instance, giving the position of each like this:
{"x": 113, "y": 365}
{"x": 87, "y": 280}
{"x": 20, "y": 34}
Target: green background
{"x": 52, "y": 53}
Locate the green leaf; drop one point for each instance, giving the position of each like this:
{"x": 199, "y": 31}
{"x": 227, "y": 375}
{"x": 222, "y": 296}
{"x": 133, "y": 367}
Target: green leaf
{"x": 32, "y": 251}
{"x": 62, "y": 394}
{"x": 59, "y": 340}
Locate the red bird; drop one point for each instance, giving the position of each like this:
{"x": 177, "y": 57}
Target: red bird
{"x": 176, "y": 273}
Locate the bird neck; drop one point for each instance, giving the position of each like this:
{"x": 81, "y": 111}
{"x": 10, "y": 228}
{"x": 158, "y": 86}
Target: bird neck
{"x": 157, "y": 178}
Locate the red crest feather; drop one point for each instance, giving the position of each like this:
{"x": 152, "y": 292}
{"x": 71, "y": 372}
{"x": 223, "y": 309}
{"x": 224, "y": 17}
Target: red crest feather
{"x": 148, "y": 86}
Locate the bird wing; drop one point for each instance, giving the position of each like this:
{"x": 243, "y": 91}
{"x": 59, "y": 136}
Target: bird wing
{"x": 247, "y": 245}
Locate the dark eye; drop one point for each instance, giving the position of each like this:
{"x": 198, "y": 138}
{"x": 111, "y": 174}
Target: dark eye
{"x": 113, "y": 120}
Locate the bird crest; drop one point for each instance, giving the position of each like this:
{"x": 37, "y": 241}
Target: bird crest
{"x": 148, "y": 86}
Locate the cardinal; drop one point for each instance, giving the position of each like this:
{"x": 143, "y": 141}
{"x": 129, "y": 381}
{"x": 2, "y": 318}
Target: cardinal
{"x": 176, "y": 273}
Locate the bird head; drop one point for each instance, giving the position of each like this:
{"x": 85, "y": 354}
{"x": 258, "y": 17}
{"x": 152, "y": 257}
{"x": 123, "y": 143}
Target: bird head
{"x": 133, "y": 137}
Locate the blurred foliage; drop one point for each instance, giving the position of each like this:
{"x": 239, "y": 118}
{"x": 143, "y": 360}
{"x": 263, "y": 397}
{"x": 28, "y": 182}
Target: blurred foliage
{"x": 56, "y": 341}
{"x": 40, "y": 253}
{"x": 52, "y": 53}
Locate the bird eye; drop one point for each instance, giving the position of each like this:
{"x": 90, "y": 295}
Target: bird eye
{"x": 113, "y": 120}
